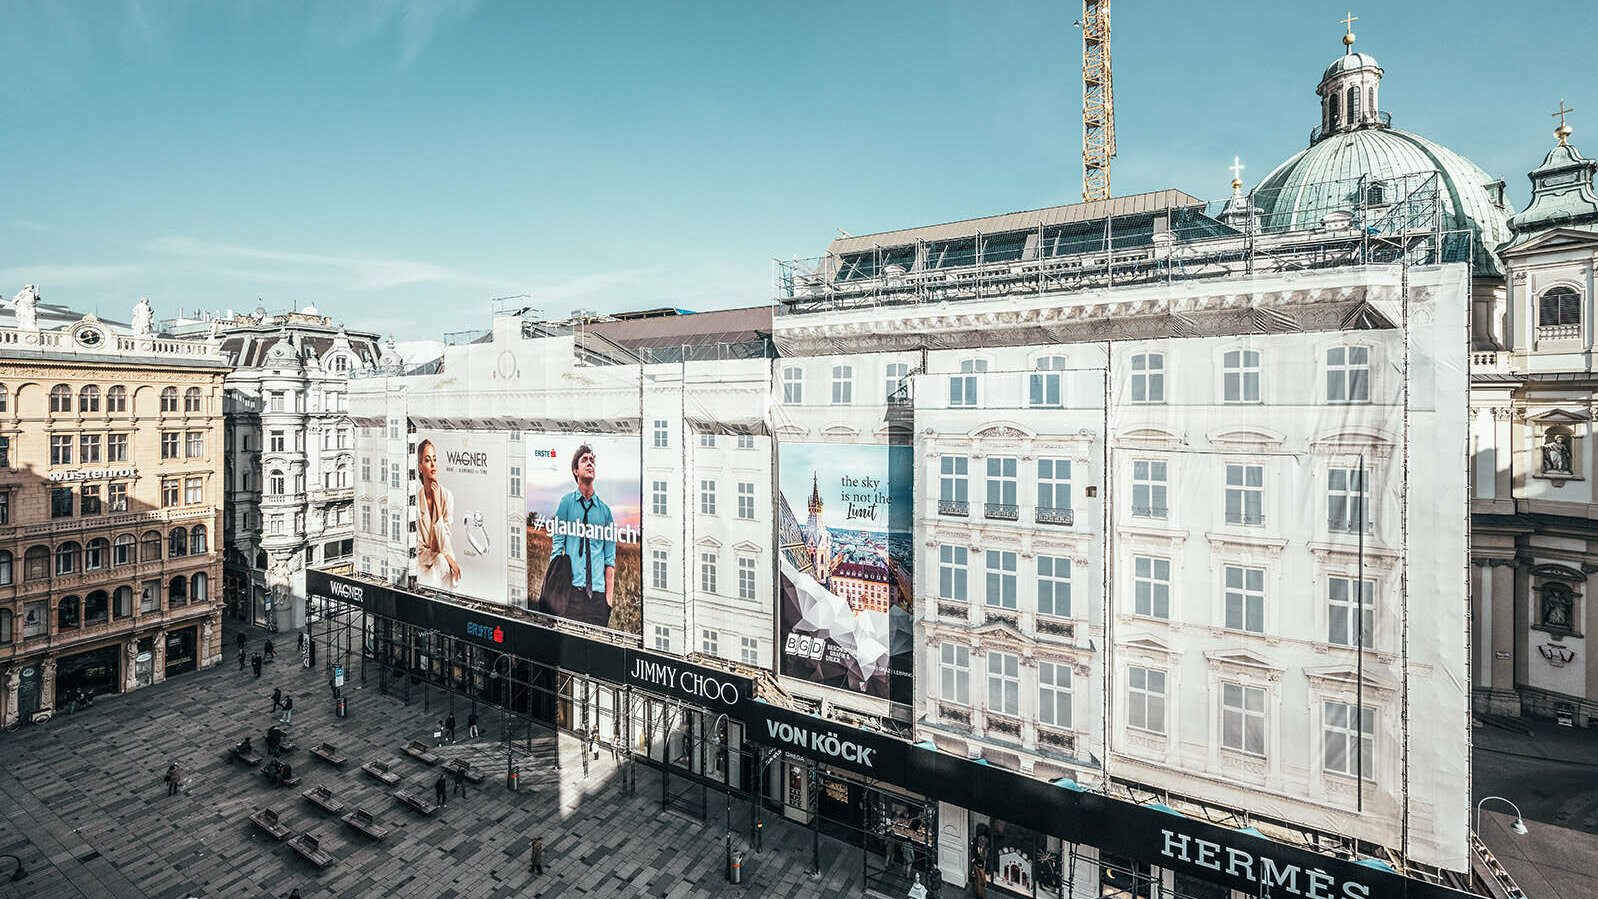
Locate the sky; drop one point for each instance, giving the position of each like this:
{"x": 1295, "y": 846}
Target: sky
{"x": 401, "y": 164}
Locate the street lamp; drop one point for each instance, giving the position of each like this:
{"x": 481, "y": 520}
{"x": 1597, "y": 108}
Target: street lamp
{"x": 1518, "y": 827}
{"x": 726, "y": 778}
{"x": 20, "y": 871}
{"x": 504, "y": 717}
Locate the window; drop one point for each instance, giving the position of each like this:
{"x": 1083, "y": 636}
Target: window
{"x": 6, "y": 576}
{"x": 177, "y": 591}
{"x": 36, "y": 563}
{"x": 707, "y": 497}
{"x": 953, "y": 487}
{"x": 60, "y": 502}
{"x": 150, "y": 546}
{"x": 1044, "y": 384}
{"x": 194, "y": 445}
{"x": 1001, "y": 579}
{"x": 1245, "y": 494}
{"x": 1353, "y": 103}
{"x": 707, "y": 572}
{"x": 896, "y": 384}
{"x": 366, "y": 469}
{"x": 61, "y": 398}
{"x": 276, "y": 402}
{"x": 34, "y": 620}
{"x": 516, "y": 539}
{"x": 657, "y": 497}
{"x": 395, "y": 529}
{"x": 1559, "y": 306}
{"x": 746, "y": 501}
{"x": 1054, "y": 491}
{"x": 746, "y": 577}
{"x": 170, "y": 492}
{"x": 515, "y": 480}
{"x": 1243, "y": 718}
{"x": 89, "y": 499}
{"x": 193, "y": 491}
{"x": 170, "y": 444}
{"x": 1346, "y": 499}
{"x": 274, "y": 525}
{"x": 1054, "y": 586}
{"x": 1344, "y": 609}
{"x": 177, "y": 543}
{"x": 1001, "y": 488}
{"x": 117, "y": 496}
{"x": 1148, "y": 378}
{"x": 1004, "y": 683}
{"x": 122, "y": 602}
{"x": 395, "y": 426}
{"x": 1348, "y": 370}
{"x": 954, "y": 668}
{"x": 707, "y": 440}
{"x": 657, "y": 569}
{"x": 963, "y": 386}
{"x": 60, "y": 449}
{"x": 749, "y": 650}
{"x": 5, "y": 452}
{"x": 394, "y": 476}
{"x": 746, "y": 441}
{"x": 89, "y": 399}
{"x": 1151, "y": 587}
{"x": 793, "y": 385}
{"x": 5, "y": 507}
{"x": 1241, "y": 378}
{"x": 89, "y": 449}
{"x": 662, "y": 638}
{"x": 1054, "y": 694}
{"x": 5, "y": 399}
{"x": 116, "y": 399}
{"x": 1145, "y": 699}
{"x": 276, "y": 483}
{"x": 662, "y": 434}
{"x": 66, "y": 557}
{"x": 275, "y": 441}
{"x": 842, "y": 385}
{"x": 952, "y": 572}
{"x": 169, "y": 399}
{"x": 1148, "y": 489}
{"x": 95, "y": 609}
{"x": 707, "y": 641}
{"x": 192, "y": 401}
{"x": 116, "y": 448}
{"x": 198, "y": 545}
{"x": 366, "y": 519}
{"x": 122, "y": 550}
{"x": 67, "y": 614}
{"x": 1245, "y": 599}
{"x": 1345, "y": 748}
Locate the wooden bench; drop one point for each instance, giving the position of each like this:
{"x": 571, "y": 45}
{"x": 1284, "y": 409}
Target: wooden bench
{"x": 327, "y": 752}
{"x": 266, "y": 819}
{"x": 365, "y": 823}
{"x": 465, "y": 767}
{"x": 311, "y": 850}
{"x": 416, "y": 802}
{"x": 275, "y": 772}
{"x": 382, "y": 772}
{"x": 418, "y": 750}
{"x": 324, "y": 798}
{"x": 236, "y": 753}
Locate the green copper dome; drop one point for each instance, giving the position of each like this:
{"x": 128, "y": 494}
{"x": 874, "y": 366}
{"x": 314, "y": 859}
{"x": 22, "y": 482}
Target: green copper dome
{"x": 1349, "y": 62}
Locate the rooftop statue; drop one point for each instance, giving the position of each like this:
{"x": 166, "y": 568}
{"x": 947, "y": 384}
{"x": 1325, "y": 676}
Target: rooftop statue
{"x": 26, "y": 300}
{"x": 143, "y": 318}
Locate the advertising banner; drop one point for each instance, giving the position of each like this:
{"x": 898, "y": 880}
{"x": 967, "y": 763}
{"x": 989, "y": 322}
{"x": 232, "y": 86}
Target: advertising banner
{"x": 847, "y": 593}
{"x": 462, "y": 488}
{"x": 585, "y": 529}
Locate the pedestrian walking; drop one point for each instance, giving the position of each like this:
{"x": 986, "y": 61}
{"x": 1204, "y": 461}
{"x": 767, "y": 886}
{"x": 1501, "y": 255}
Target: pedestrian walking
{"x": 441, "y": 789}
{"x": 333, "y": 683}
{"x": 271, "y": 654}
{"x": 255, "y": 664}
{"x": 593, "y": 742}
{"x": 277, "y": 698}
{"x": 302, "y": 641}
{"x": 449, "y": 727}
{"x": 274, "y": 740}
{"x": 288, "y": 708}
{"x": 538, "y": 855}
{"x": 173, "y": 779}
{"x": 471, "y": 725}
{"x": 239, "y": 640}
{"x": 241, "y": 659}
{"x": 460, "y": 781}
{"x": 293, "y": 894}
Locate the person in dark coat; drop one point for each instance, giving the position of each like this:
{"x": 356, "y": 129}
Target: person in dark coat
{"x": 270, "y": 652}
{"x": 471, "y": 725}
{"x": 173, "y": 778}
{"x": 241, "y": 659}
{"x": 441, "y": 789}
{"x": 277, "y": 698}
{"x": 255, "y": 664}
{"x": 449, "y": 727}
{"x": 538, "y": 855}
{"x": 460, "y": 781}
{"x": 239, "y": 640}
{"x": 288, "y": 708}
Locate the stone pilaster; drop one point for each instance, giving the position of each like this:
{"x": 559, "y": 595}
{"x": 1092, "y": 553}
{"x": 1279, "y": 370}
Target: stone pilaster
{"x": 1502, "y": 697}
{"x": 158, "y": 663}
{"x": 8, "y": 703}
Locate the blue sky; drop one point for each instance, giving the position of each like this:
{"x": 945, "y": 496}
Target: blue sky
{"x": 392, "y": 161}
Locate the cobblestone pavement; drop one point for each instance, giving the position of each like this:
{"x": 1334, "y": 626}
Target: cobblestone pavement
{"x": 83, "y": 805}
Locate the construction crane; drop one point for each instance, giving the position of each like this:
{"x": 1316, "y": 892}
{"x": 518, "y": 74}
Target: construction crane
{"x": 1098, "y": 101}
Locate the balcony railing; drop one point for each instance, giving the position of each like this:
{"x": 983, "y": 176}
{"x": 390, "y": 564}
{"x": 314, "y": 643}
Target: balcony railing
{"x": 1256, "y": 518}
{"x": 953, "y": 507}
{"x": 1001, "y": 511}
{"x": 1558, "y": 332}
{"x": 1048, "y": 515}
{"x": 1149, "y": 511}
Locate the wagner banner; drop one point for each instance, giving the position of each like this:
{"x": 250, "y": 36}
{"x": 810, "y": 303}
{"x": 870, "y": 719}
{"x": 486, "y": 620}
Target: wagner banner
{"x": 585, "y": 529}
{"x": 462, "y": 489}
{"x": 846, "y": 567}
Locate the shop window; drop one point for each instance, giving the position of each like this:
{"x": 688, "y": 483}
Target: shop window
{"x": 35, "y": 619}
{"x": 1123, "y": 878}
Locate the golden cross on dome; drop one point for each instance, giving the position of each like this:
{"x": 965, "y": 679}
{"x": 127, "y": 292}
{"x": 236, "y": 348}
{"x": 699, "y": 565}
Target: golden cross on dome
{"x": 1563, "y": 131}
{"x": 1348, "y": 38}
{"x": 1237, "y": 172}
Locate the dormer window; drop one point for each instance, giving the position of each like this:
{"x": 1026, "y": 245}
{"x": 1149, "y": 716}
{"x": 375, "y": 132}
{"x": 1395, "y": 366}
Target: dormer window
{"x": 1559, "y": 306}
{"x": 1376, "y": 195}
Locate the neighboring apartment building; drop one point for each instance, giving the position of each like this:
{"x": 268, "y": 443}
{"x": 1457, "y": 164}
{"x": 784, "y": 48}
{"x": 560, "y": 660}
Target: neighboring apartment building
{"x": 111, "y": 486}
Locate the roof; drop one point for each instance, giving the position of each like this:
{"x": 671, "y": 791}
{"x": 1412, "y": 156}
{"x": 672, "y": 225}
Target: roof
{"x": 50, "y": 317}
{"x": 1561, "y": 196}
{"x": 1135, "y": 204}
{"x": 722, "y": 326}
{"x": 1349, "y": 62}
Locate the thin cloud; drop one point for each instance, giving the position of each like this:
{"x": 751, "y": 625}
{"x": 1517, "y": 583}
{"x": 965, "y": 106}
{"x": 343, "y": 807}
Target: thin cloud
{"x": 347, "y": 272}
{"x": 418, "y": 22}
{"x": 47, "y": 276}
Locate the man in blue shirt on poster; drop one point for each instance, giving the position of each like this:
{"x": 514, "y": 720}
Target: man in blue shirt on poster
{"x": 585, "y": 533}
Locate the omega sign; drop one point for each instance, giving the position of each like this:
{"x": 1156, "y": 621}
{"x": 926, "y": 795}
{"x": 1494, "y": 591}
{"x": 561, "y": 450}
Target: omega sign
{"x": 93, "y": 474}
{"x": 702, "y": 686}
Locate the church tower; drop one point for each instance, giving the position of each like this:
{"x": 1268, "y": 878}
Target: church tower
{"x": 1348, "y": 90}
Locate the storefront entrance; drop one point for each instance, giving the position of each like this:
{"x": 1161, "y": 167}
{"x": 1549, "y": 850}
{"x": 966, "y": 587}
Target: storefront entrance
{"x": 180, "y": 650}
{"x": 96, "y": 671}
{"x": 30, "y": 691}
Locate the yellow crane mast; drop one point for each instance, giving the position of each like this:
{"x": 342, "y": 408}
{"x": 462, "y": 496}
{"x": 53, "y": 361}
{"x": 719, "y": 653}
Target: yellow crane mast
{"x": 1098, "y": 101}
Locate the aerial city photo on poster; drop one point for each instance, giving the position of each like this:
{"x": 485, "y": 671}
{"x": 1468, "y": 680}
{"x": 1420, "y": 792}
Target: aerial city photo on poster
{"x": 846, "y": 567}
{"x": 584, "y": 529}
{"x": 461, "y": 507}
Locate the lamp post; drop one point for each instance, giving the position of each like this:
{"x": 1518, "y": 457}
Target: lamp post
{"x": 716, "y": 734}
{"x": 20, "y": 871}
{"x": 1519, "y": 827}
{"x": 504, "y": 717}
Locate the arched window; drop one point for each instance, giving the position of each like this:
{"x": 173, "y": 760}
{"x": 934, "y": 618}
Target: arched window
{"x": 89, "y": 399}
{"x": 96, "y": 607}
{"x": 150, "y": 547}
{"x": 177, "y": 591}
{"x": 36, "y": 563}
{"x": 192, "y": 401}
{"x": 1376, "y": 194}
{"x": 169, "y": 400}
{"x": 66, "y": 557}
{"x": 276, "y": 484}
{"x": 341, "y": 363}
{"x": 94, "y": 554}
{"x": 122, "y": 551}
{"x": 197, "y": 587}
{"x": 67, "y": 614}
{"x": 116, "y": 399}
{"x": 5, "y": 567}
{"x": 197, "y": 541}
{"x": 1559, "y": 306}
{"x": 61, "y": 398}
{"x": 1353, "y": 105}
{"x": 177, "y": 543}
{"x": 5, "y": 398}
{"x": 7, "y": 627}
{"x": 122, "y": 602}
